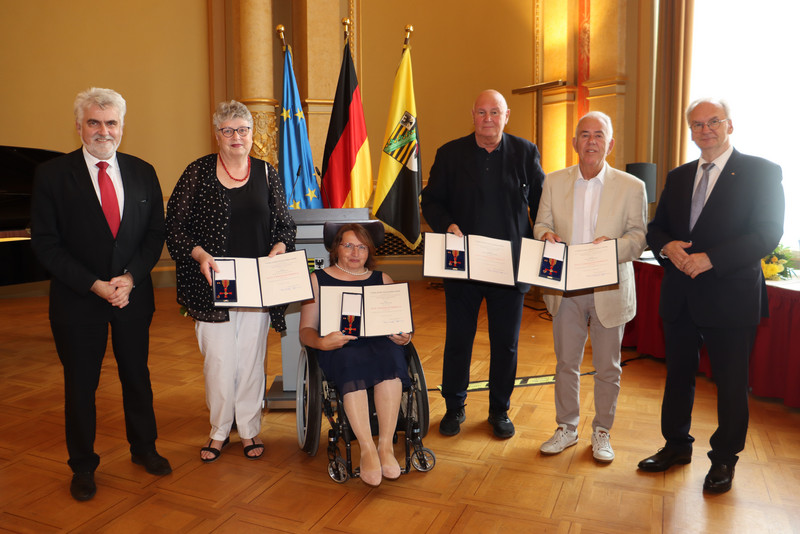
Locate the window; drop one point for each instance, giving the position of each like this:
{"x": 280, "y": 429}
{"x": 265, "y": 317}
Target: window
{"x": 744, "y": 52}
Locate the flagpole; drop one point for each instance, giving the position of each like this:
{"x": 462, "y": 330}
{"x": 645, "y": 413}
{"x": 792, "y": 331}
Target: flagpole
{"x": 280, "y": 29}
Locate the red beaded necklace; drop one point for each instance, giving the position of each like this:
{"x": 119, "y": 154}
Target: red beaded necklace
{"x": 229, "y": 172}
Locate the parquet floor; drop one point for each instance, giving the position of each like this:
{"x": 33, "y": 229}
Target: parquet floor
{"x": 479, "y": 484}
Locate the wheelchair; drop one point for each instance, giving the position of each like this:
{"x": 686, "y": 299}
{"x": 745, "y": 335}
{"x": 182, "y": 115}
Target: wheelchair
{"x": 316, "y": 395}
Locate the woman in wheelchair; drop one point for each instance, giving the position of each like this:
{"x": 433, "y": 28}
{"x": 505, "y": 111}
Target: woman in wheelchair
{"x": 356, "y": 364}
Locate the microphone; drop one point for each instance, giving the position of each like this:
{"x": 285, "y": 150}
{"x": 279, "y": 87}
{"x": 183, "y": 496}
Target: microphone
{"x": 322, "y": 186}
{"x": 294, "y": 184}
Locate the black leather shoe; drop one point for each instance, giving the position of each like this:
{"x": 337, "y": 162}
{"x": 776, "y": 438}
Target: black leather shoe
{"x": 719, "y": 478}
{"x": 666, "y": 458}
{"x": 451, "y": 422}
{"x": 82, "y": 486}
{"x": 501, "y": 425}
{"x": 153, "y": 463}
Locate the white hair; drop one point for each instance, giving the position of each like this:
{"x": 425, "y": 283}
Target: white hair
{"x": 102, "y": 98}
{"x": 231, "y": 110}
{"x": 709, "y": 100}
{"x": 604, "y": 119}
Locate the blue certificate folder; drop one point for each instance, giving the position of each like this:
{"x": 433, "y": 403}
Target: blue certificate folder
{"x": 471, "y": 257}
{"x": 568, "y": 267}
{"x": 261, "y": 282}
{"x": 366, "y": 311}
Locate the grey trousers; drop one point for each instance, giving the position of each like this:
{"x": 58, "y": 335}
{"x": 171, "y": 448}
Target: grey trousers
{"x": 575, "y": 321}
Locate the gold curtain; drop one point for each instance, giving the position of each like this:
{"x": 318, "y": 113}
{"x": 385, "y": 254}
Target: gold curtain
{"x": 673, "y": 73}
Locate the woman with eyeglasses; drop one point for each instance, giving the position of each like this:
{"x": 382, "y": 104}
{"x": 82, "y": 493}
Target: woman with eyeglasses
{"x": 356, "y": 364}
{"x": 229, "y": 204}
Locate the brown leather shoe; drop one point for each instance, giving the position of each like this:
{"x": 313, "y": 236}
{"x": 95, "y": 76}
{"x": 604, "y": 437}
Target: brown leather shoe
{"x": 666, "y": 458}
{"x": 719, "y": 478}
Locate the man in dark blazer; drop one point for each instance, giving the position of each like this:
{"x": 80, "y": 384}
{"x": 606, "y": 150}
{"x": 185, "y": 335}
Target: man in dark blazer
{"x": 716, "y": 218}
{"x": 487, "y": 183}
{"x": 98, "y": 227}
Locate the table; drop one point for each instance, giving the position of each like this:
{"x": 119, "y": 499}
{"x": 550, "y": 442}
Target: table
{"x": 775, "y": 363}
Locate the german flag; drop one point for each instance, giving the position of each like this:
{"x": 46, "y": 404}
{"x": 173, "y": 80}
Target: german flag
{"x": 346, "y": 167}
{"x": 399, "y": 181}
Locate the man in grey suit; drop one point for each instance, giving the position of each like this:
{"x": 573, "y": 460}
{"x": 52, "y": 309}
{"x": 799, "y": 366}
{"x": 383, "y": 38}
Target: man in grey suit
{"x": 97, "y": 225}
{"x": 591, "y": 203}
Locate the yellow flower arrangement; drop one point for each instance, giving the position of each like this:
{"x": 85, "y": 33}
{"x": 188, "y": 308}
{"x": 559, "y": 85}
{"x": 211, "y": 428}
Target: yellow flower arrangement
{"x": 779, "y": 265}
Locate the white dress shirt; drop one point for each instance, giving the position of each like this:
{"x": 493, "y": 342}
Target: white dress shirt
{"x": 585, "y": 204}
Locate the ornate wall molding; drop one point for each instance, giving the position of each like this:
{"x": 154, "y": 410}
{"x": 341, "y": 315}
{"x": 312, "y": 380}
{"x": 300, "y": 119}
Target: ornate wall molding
{"x": 265, "y": 137}
{"x": 265, "y": 129}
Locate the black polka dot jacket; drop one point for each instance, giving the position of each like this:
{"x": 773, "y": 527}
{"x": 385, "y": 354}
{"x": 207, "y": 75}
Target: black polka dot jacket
{"x": 198, "y": 213}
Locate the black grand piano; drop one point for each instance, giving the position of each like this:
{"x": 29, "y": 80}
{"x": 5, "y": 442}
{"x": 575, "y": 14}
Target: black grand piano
{"x": 17, "y": 262}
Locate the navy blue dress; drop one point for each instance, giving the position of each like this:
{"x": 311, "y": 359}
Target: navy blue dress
{"x": 366, "y": 361}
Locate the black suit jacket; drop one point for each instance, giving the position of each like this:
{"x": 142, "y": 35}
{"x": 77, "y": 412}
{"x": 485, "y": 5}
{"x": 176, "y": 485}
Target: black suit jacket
{"x": 71, "y": 237}
{"x": 741, "y": 222}
{"x": 452, "y": 194}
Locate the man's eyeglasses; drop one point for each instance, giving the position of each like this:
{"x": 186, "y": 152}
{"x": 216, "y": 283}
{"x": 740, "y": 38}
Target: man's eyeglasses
{"x": 713, "y": 124}
{"x": 242, "y": 131}
{"x": 351, "y": 246}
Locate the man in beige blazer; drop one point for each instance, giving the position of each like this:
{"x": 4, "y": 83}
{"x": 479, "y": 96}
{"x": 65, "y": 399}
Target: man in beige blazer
{"x": 590, "y": 203}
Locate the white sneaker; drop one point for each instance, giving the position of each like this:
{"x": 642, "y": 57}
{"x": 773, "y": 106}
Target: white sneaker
{"x": 601, "y": 445}
{"x": 562, "y": 439}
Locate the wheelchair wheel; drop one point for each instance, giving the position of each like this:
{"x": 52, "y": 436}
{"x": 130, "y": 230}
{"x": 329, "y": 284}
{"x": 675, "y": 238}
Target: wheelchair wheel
{"x": 423, "y": 459}
{"x": 337, "y": 470}
{"x": 308, "y": 402}
{"x": 420, "y": 406}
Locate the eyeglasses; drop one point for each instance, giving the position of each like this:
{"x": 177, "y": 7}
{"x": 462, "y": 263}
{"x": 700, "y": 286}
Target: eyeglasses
{"x": 713, "y": 124}
{"x": 242, "y": 131}
{"x": 351, "y": 246}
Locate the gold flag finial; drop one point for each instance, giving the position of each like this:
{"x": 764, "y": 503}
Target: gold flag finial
{"x": 280, "y": 29}
{"x": 409, "y": 30}
{"x": 346, "y": 22}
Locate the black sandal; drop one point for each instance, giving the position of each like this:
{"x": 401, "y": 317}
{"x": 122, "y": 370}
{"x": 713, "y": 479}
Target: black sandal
{"x": 253, "y": 447}
{"x": 214, "y": 451}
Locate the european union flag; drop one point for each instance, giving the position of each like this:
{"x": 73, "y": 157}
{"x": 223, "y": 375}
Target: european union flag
{"x": 296, "y": 166}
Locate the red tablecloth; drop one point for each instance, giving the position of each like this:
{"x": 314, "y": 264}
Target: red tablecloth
{"x": 775, "y": 364}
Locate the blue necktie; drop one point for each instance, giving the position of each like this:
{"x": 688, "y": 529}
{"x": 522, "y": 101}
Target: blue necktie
{"x": 699, "y": 198}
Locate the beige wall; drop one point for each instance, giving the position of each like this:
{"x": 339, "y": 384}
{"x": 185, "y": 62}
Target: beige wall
{"x": 155, "y": 53}
{"x": 459, "y": 47}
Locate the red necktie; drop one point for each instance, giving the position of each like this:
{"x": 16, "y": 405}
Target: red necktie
{"x": 108, "y": 198}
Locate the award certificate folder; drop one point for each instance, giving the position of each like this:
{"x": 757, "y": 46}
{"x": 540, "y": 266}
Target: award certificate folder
{"x": 584, "y": 266}
{"x": 485, "y": 259}
{"x": 262, "y": 282}
{"x": 385, "y": 309}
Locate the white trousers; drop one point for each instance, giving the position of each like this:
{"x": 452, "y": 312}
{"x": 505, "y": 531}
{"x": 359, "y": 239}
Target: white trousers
{"x": 234, "y": 354}
{"x": 576, "y": 319}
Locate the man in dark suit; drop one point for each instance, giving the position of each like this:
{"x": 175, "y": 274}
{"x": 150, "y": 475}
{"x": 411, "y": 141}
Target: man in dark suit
{"x": 716, "y": 218}
{"x": 487, "y": 183}
{"x": 97, "y": 226}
